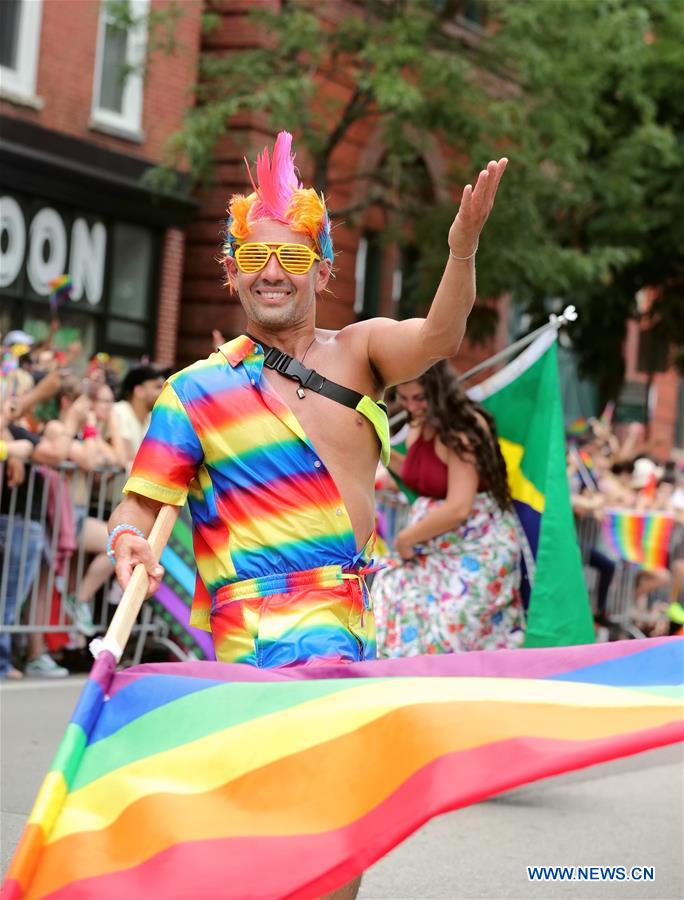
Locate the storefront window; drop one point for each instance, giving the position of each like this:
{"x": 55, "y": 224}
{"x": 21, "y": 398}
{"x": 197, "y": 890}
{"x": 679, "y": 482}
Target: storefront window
{"x": 112, "y": 267}
{"x": 130, "y": 334}
{"x": 131, "y": 267}
{"x": 73, "y": 327}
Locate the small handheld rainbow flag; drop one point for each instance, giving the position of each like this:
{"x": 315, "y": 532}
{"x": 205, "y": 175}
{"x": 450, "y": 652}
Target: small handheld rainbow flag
{"x": 579, "y": 426}
{"x": 639, "y": 537}
{"x": 60, "y": 289}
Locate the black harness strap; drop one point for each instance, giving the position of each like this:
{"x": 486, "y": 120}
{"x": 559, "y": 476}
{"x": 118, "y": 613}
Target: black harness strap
{"x": 310, "y": 379}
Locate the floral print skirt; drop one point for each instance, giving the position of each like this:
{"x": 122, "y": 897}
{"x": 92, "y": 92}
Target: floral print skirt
{"x": 460, "y": 593}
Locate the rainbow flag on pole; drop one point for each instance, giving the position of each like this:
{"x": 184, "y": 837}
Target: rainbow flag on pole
{"x": 638, "y": 537}
{"x": 211, "y": 780}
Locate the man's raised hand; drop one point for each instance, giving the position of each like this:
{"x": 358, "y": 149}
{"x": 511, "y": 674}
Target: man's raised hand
{"x": 476, "y": 205}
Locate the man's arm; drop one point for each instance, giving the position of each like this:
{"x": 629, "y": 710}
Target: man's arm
{"x": 164, "y": 467}
{"x": 401, "y": 351}
{"x": 140, "y": 512}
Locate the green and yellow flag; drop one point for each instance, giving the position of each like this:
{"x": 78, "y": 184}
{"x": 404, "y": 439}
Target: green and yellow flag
{"x": 525, "y": 400}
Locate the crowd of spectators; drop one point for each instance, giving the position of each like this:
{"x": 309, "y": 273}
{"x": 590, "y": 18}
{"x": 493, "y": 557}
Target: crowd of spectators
{"x": 59, "y": 407}
{"x": 613, "y": 469}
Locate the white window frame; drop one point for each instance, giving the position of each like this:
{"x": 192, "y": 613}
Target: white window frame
{"x": 20, "y": 84}
{"x": 127, "y": 123}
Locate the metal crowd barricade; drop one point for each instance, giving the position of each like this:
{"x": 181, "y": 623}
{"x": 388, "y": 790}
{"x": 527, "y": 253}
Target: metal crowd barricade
{"x": 620, "y": 599}
{"x": 39, "y": 559}
{"x": 392, "y": 510}
{"x": 620, "y": 606}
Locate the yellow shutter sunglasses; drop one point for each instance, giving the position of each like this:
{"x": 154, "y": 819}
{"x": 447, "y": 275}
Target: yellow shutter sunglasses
{"x": 296, "y": 259}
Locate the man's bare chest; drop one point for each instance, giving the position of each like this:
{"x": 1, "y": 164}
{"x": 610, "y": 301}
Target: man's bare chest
{"x": 339, "y": 434}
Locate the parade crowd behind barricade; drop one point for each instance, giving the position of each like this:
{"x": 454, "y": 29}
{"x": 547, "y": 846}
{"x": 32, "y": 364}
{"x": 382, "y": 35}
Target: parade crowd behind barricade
{"x": 69, "y": 430}
{"x": 629, "y": 510}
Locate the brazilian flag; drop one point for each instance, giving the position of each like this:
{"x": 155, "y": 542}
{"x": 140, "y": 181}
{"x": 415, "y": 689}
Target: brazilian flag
{"x": 525, "y": 400}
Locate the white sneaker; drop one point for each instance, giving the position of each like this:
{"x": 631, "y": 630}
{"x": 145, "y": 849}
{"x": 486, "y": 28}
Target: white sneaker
{"x": 80, "y": 615}
{"x": 44, "y": 666}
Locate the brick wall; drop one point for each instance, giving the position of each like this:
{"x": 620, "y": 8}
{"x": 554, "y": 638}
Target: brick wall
{"x": 169, "y": 296}
{"x": 664, "y": 421}
{"x": 66, "y": 68}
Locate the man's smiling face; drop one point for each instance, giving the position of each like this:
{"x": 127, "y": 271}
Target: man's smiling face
{"x": 273, "y": 297}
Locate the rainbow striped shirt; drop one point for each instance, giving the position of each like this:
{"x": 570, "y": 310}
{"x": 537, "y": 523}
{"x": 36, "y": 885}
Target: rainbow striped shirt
{"x": 263, "y": 504}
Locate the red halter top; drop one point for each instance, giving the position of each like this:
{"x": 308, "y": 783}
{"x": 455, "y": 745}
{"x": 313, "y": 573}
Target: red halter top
{"x": 423, "y": 471}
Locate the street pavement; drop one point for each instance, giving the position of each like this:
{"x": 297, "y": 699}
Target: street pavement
{"x": 629, "y": 812}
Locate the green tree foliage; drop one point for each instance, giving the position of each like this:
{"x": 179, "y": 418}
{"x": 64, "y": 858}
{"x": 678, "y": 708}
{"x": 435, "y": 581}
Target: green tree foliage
{"x": 593, "y": 206}
{"x": 584, "y": 96}
{"x": 378, "y": 55}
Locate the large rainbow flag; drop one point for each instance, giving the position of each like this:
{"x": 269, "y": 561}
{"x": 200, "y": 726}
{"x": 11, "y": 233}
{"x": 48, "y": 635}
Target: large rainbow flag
{"x": 210, "y": 780}
{"x": 638, "y": 537}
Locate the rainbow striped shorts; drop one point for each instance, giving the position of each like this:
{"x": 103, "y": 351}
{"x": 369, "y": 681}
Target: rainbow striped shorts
{"x": 321, "y": 615}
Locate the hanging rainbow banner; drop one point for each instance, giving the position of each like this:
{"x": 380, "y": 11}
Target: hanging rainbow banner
{"x": 638, "y": 537}
{"x": 174, "y": 597}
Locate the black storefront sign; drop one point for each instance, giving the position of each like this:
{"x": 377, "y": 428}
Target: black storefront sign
{"x": 79, "y": 210}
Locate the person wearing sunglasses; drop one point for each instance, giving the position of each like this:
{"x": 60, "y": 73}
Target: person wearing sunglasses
{"x": 274, "y": 439}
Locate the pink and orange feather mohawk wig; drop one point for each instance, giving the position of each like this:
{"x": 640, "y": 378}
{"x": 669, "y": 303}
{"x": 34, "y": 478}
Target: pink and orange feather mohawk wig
{"x": 279, "y": 195}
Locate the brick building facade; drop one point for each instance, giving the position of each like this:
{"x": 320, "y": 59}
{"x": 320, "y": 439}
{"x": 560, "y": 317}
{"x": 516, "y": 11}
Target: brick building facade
{"x": 75, "y": 141}
{"x": 79, "y": 127}
{"x": 370, "y": 274}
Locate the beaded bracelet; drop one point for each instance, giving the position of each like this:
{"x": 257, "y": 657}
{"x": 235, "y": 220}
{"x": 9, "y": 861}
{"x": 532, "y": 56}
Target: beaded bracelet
{"x": 114, "y": 536}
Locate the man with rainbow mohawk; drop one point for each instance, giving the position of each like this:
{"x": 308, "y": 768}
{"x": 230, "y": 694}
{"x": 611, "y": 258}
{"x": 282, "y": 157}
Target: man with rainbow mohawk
{"x": 280, "y": 197}
{"x": 274, "y": 439}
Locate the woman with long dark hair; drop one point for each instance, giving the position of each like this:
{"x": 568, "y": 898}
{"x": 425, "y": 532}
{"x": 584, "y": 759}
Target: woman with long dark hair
{"x": 453, "y": 583}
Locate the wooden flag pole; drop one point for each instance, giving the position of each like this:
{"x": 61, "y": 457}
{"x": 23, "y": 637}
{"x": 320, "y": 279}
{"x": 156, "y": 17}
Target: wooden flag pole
{"x": 129, "y": 606}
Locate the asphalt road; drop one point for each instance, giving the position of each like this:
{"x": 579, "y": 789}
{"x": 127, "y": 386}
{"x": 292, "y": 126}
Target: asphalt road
{"x": 627, "y": 813}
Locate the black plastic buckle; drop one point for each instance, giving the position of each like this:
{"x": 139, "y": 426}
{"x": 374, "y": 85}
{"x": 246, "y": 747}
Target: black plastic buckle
{"x": 277, "y": 359}
{"x": 290, "y": 367}
{"x": 308, "y": 378}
